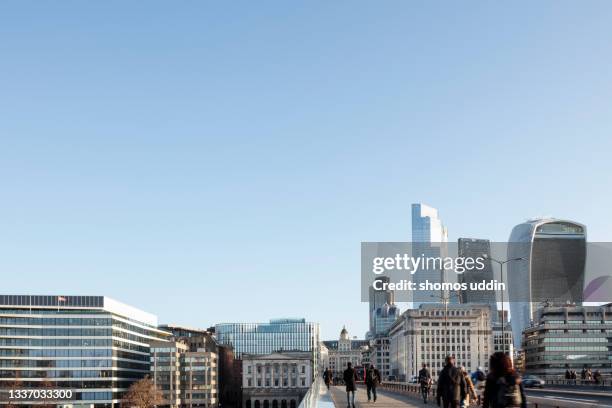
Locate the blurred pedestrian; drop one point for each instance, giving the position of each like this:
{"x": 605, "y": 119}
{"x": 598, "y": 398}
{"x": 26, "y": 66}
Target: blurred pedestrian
{"x": 327, "y": 377}
{"x": 503, "y": 387}
{"x": 470, "y": 391}
{"x": 372, "y": 379}
{"x": 597, "y": 377}
{"x": 451, "y": 385}
{"x": 479, "y": 379}
{"x": 425, "y": 382}
{"x": 350, "y": 380}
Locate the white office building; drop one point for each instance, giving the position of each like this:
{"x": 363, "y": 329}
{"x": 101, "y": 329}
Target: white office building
{"x": 431, "y": 332}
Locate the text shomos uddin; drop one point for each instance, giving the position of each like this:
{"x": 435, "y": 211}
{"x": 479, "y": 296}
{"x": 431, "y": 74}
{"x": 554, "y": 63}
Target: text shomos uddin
{"x": 406, "y": 285}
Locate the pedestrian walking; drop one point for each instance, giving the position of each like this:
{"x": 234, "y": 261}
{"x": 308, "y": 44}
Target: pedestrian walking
{"x": 327, "y": 377}
{"x": 503, "y": 387}
{"x": 479, "y": 379}
{"x": 425, "y": 381}
{"x": 470, "y": 391}
{"x": 451, "y": 385}
{"x": 350, "y": 380}
{"x": 372, "y": 379}
{"x": 597, "y": 377}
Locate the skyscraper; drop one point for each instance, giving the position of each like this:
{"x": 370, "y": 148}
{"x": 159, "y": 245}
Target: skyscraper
{"x": 429, "y": 238}
{"x": 477, "y": 248}
{"x": 426, "y": 226}
{"x": 553, "y": 270}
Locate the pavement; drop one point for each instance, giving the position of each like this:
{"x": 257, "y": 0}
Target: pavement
{"x": 389, "y": 399}
{"x": 385, "y": 399}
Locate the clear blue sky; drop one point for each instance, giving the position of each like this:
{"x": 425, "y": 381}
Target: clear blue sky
{"x": 222, "y": 161}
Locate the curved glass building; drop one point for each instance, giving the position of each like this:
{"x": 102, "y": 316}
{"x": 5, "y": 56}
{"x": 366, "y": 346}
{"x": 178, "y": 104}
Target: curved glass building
{"x": 553, "y": 270}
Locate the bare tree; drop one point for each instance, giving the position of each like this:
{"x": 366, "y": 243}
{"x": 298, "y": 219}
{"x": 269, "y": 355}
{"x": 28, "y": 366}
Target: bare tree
{"x": 14, "y": 385}
{"x": 46, "y": 384}
{"x": 142, "y": 394}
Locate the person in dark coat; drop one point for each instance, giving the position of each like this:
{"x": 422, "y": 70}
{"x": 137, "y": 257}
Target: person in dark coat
{"x": 451, "y": 385}
{"x": 503, "y": 387}
{"x": 327, "y": 377}
{"x": 425, "y": 382}
{"x": 350, "y": 380}
{"x": 372, "y": 379}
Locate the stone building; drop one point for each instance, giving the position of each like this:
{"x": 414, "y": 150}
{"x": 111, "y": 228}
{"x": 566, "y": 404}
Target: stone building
{"x": 276, "y": 380}
{"x": 343, "y": 351}
{"x": 431, "y": 332}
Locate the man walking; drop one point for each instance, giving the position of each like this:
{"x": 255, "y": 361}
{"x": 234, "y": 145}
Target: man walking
{"x": 350, "y": 379}
{"x": 425, "y": 381}
{"x": 451, "y": 385}
{"x": 327, "y": 377}
{"x": 372, "y": 379}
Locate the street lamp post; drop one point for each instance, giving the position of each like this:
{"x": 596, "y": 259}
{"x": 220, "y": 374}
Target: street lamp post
{"x": 501, "y": 268}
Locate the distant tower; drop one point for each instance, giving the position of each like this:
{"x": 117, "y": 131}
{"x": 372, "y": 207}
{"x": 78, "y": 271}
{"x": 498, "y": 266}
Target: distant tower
{"x": 477, "y": 248}
{"x": 429, "y": 238}
{"x": 344, "y": 342}
{"x": 378, "y": 298}
{"x": 555, "y": 253}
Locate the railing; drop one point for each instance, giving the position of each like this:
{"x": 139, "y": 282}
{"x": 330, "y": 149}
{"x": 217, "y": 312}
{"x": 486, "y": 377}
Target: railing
{"x": 414, "y": 390}
{"x": 318, "y": 396}
{"x": 604, "y": 383}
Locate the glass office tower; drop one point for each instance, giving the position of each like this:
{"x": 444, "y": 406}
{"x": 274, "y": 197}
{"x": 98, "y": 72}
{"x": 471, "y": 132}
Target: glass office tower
{"x": 553, "y": 269}
{"x": 93, "y": 345}
{"x": 429, "y": 239}
{"x": 265, "y": 338}
{"x": 477, "y": 248}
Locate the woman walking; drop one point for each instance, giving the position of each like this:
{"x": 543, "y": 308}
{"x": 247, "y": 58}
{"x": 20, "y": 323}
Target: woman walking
{"x": 503, "y": 388}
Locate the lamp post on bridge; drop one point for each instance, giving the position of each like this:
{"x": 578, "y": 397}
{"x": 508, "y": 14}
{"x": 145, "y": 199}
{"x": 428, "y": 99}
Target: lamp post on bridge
{"x": 501, "y": 267}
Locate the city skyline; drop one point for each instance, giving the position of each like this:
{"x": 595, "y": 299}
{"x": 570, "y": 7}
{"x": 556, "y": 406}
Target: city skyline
{"x": 212, "y": 162}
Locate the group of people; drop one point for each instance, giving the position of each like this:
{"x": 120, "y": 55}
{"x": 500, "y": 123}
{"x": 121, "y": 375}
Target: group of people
{"x": 455, "y": 388}
{"x": 372, "y": 379}
{"x": 586, "y": 375}
{"x": 501, "y": 388}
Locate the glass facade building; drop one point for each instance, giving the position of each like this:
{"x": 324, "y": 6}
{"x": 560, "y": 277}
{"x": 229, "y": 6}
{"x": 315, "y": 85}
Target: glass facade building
{"x": 429, "y": 239}
{"x": 93, "y": 345}
{"x": 477, "y": 248}
{"x": 266, "y": 338}
{"x": 553, "y": 270}
{"x": 569, "y": 337}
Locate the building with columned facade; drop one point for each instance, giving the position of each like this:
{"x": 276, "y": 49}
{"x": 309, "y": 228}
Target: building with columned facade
{"x": 276, "y": 380}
